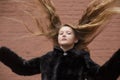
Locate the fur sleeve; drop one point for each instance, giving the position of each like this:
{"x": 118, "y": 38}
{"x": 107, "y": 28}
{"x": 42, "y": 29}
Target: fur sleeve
{"x": 111, "y": 69}
{"x": 19, "y": 65}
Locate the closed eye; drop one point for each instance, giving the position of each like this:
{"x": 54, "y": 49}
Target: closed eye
{"x": 60, "y": 33}
{"x": 69, "y": 33}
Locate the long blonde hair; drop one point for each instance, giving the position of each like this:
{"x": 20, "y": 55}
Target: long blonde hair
{"x": 88, "y": 27}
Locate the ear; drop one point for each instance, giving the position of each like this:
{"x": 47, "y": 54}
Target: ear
{"x": 76, "y": 40}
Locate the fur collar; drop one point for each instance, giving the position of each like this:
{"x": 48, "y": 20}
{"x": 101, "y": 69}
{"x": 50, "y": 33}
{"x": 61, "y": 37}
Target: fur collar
{"x": 72, "y": 51}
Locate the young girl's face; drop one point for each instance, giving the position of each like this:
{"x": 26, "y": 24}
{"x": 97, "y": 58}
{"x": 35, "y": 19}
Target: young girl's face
{"x": 66, "y": 36}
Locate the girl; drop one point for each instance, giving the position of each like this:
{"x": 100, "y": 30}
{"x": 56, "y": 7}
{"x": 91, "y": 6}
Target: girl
{"x": 65, "y": 62}
{"x": 70, "y": 58}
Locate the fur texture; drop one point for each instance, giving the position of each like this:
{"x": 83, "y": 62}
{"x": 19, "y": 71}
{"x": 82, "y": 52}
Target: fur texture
{"x": 76, "y": 65}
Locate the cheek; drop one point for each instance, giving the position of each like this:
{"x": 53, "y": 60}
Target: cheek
{"x": 59, "y": 38}
{"x": 71, "y": 39}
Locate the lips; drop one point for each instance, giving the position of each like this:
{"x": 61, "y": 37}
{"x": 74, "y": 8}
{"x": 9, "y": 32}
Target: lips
{"x": 64, "y": 39}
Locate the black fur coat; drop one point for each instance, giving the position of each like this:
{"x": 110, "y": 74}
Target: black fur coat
{"x": 59, "y": 65}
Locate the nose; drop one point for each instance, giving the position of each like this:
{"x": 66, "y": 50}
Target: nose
{"x": 64, "y": 35}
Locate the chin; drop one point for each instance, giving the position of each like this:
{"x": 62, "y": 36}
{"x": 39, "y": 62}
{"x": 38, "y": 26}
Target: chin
{"x": 65, "y": 44}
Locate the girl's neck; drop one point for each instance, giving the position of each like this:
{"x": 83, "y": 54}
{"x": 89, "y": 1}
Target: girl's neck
{"x": 66, "y": 48}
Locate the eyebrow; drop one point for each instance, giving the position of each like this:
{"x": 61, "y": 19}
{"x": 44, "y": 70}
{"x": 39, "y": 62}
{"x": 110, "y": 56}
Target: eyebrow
{"x": 67, "y": 31}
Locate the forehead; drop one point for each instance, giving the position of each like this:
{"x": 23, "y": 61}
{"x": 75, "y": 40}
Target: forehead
{"x": 66, "y": 28}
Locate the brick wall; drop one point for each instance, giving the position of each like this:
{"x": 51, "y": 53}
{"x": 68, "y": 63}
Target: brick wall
{"x": 15, "y": 36}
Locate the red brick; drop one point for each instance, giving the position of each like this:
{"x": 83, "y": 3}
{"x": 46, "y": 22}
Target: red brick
{"x": 13, "y": 35}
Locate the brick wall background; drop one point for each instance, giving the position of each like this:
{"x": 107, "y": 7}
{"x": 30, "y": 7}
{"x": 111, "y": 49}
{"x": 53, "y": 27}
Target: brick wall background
{"x": 14, "y": 35}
